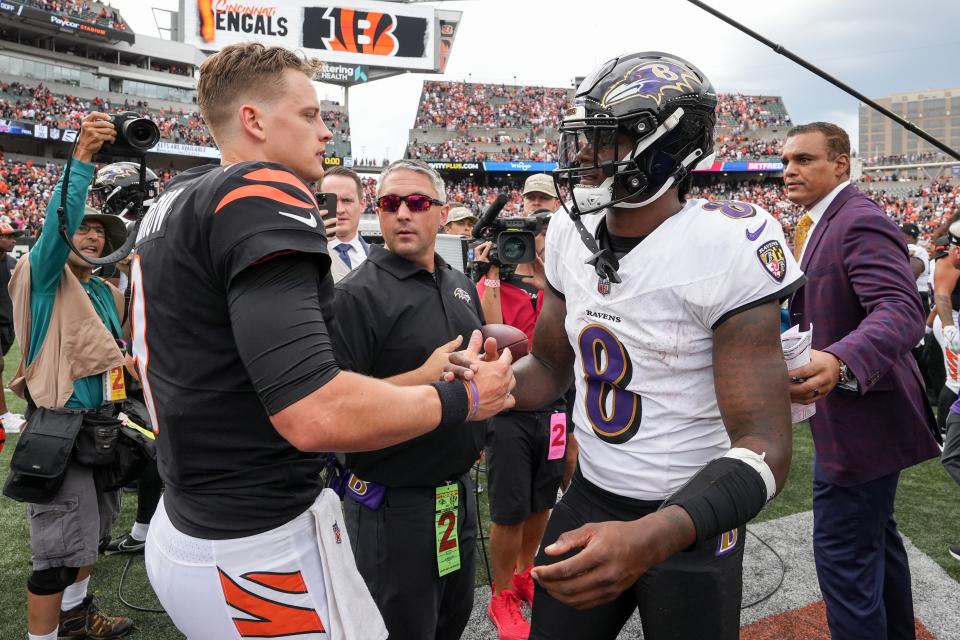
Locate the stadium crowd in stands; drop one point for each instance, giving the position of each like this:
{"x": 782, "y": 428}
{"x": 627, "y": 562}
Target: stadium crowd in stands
{"x": 39, "y": 104}
{"x": 741, "y": 147}
{"x": 751, "y": 112}
{"x": 26, "y": 187}
{"x": 462, "y": 105}
{"x": 459, "y": 150}
{"x": 88, "y": 10}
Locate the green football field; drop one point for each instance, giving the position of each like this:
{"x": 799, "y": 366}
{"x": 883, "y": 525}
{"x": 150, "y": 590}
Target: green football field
{"x": 927, "y": 510}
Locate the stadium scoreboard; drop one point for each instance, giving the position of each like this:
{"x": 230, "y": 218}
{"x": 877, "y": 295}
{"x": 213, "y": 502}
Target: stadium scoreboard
{"x": 360, "y": 40}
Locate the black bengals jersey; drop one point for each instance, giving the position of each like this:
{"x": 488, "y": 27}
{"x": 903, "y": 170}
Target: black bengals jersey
{"x": 228, "y": 473}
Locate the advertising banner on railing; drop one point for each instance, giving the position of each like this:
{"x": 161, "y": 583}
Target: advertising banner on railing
{"x": 16, "y": 128}
{"x": 521, "y": 166}
{"x": 177, "y": 149}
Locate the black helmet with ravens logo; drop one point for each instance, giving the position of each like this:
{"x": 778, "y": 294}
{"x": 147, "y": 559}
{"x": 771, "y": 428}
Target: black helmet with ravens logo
{"x": 638, "y": 125}
{"x": 117, "y": 185}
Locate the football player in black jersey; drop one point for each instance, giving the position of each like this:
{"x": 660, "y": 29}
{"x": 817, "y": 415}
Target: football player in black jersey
{"x": 231, "y": 330}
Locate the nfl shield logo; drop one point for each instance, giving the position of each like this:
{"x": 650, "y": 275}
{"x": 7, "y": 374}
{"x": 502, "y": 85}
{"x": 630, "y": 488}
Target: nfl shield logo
{"x": 772, "y": 258}
{"x": 603, "y": 286}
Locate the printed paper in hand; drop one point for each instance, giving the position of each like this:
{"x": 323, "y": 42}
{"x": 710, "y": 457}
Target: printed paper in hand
{"x": 796, "y": 353}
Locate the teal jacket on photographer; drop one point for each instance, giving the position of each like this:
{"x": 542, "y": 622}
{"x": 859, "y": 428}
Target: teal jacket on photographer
{"x": 66, "y": 329}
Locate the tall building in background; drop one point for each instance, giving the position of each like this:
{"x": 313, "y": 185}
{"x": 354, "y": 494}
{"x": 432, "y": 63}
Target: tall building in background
{"x": 935, "y": 111}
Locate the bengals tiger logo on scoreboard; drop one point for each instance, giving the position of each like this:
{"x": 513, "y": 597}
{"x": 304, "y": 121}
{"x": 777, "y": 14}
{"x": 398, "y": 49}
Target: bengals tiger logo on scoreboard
{"x": 364, "y": 32}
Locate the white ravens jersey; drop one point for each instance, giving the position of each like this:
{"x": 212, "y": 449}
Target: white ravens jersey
{"x": 646, "y": 413}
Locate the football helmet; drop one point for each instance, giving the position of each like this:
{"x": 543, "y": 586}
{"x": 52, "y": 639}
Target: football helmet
{"x": 117, "y": 185}
{"x": 638, "y": 125}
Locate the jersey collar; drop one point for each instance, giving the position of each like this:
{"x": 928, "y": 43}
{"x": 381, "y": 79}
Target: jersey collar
{"x": 399, "y": 267}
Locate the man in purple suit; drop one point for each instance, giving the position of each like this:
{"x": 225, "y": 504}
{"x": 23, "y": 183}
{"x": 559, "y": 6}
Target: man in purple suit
{"x": 872, "y": 415}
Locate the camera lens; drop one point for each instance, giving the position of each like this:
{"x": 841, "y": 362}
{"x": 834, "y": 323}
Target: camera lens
{"x": 512, "y": 249}
{"x": 140, "y": 133}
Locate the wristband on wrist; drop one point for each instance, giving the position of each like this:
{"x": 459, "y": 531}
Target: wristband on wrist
{"x": 473, "y": 391}
{"x": 491, "y": 284}
{"x": 725, "y": 494}
{"x": 455, "y": 402}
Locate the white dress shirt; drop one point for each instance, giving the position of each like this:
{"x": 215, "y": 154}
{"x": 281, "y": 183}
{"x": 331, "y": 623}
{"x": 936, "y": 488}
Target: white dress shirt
{"x": 357, "y": 253}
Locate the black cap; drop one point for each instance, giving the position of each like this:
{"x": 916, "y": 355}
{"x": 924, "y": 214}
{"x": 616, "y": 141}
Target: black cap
{"x": 910, "y": 229}
{"x": 941, "y": 247}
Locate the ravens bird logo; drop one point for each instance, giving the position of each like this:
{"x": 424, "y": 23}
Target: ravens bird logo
{"x": 652, "y": 80}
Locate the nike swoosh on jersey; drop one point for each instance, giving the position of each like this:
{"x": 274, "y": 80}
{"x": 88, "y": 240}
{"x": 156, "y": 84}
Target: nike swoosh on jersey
{"x": 751, "y": 236}
{"x": 309, "y": 219}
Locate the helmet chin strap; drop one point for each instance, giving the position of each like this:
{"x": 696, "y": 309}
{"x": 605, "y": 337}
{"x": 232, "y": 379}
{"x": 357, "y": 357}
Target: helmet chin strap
{"x": 595, "y": 199}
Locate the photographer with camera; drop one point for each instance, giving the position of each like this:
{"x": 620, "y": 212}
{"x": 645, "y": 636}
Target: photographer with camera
{"x": 68, "y": 325}
{"x": 523, "y": 470}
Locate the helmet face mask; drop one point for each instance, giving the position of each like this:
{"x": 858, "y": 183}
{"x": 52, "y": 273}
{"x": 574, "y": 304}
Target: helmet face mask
{"x": 639, "y": 124}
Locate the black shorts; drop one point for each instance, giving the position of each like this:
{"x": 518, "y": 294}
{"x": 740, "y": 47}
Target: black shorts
{"x": 694, "y": 594}
{"x": 520, "y": 479}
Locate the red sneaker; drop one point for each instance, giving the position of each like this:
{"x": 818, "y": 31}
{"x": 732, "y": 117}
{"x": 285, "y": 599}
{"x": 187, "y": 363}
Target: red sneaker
{"x": 523, "y": 585}
{"x": 504, "y": 612}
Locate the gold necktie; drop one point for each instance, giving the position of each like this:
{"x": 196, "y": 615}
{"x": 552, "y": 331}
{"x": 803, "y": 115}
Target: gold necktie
{"x": 800, "y": 234}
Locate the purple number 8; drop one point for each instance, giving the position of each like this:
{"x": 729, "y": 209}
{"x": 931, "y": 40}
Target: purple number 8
{"x": 607, "y": 370}
{"x": 732, "y": 208}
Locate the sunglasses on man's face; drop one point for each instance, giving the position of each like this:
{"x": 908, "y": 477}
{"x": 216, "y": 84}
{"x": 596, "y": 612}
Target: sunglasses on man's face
{"x": 416, "y": 202}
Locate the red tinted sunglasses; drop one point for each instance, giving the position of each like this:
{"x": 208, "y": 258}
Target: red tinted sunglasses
{"x": 416, "y": 202}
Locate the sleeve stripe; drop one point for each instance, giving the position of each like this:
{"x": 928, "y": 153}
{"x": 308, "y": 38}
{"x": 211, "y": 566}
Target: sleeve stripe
{"x": 284, "y": 177}
{"x": 262, "y": 191}
{"x": 779, "y": 296}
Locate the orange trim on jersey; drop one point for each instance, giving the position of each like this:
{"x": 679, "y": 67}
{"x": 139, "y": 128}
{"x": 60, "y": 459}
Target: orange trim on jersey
{"x": 284, "y": 177}
{"x": 273, "y": 619}
{"x": 286, "y": 582}
{"x": 262, "y": 191}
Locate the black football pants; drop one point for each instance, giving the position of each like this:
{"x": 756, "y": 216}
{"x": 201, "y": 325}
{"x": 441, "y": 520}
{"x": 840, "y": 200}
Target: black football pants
{"x": 694, "y": 595}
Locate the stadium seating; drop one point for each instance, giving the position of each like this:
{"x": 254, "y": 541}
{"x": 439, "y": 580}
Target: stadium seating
{"x": 19, "y": 101}
{"x": 88, "y": 10}
{"x": 460, "y": 121}
{"x": 26, "y": 185}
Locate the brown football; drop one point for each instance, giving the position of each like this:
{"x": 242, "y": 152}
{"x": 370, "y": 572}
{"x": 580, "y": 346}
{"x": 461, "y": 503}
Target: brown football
{"x": 507, "y": 336}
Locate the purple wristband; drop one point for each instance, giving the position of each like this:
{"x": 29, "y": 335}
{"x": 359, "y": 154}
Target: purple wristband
{"x": 474, "y": 393}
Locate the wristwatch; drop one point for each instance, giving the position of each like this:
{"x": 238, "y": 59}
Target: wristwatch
{"x": 846, "y": 377}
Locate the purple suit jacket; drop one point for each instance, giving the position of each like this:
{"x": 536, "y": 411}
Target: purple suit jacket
{"x": 862, "y": 300}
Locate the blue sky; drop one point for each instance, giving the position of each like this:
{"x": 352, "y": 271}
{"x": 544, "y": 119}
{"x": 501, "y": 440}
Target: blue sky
{"x": 877, "y": 46}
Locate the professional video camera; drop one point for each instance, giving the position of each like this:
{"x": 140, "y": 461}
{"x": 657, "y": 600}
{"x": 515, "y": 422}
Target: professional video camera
{"x": 514, "y": 239}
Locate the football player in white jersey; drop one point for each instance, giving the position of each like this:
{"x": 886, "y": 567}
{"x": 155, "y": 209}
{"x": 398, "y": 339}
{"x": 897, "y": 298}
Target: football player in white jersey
{"x": 666, "y": 312}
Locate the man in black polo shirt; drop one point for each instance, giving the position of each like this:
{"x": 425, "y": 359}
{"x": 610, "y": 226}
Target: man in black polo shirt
{"x": 409, "y": 509}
